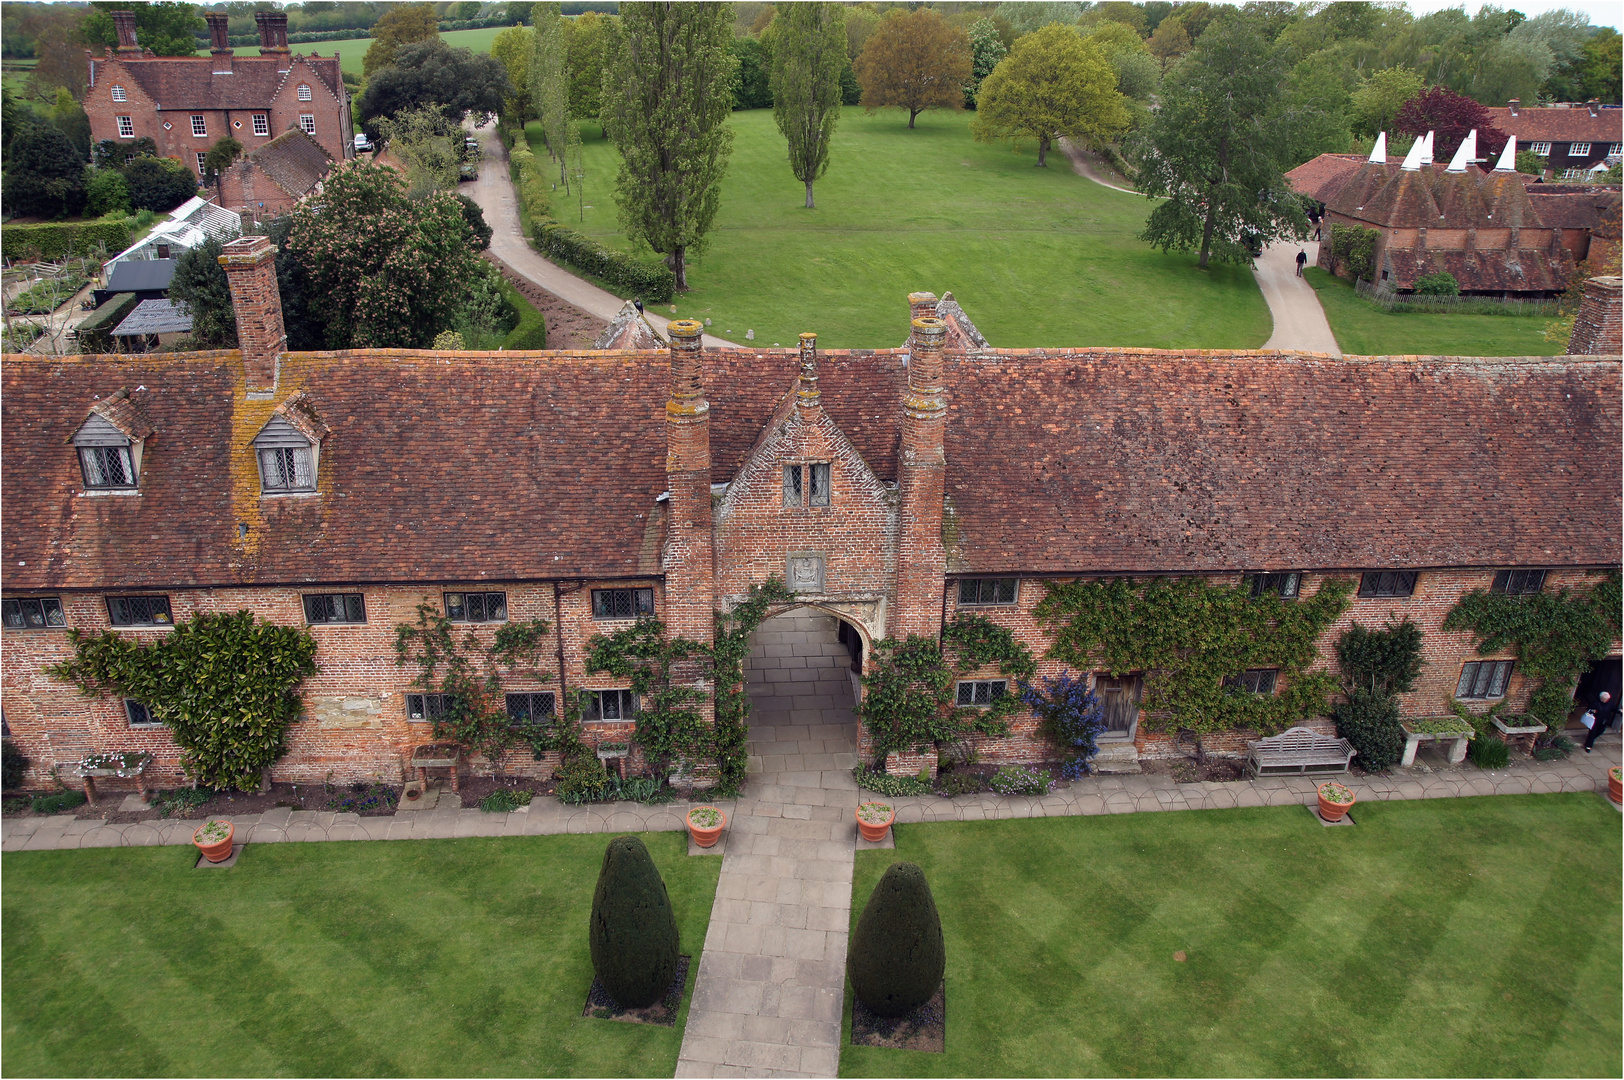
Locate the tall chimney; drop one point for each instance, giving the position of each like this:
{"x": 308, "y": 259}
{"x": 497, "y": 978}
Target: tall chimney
{"x": 219, "y": 44}
{"x": 808, "y": 402}
{"x": 250, "y": 265}
{"x": 689, "y": 552}
{"x": 921, "y": 305}
{"x": 1514, "y": 104}
{"x": 273, "y": 31}
{"x": 921, "y": 483}
{"x": 1596, "y": 328}
{"x": 124, "y": 23}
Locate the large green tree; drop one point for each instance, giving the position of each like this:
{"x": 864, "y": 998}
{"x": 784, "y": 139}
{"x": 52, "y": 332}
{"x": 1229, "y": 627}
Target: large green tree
{"x": 986, "y": 49}
{"x": 1052, "y": 84}
{"x": 45, "y": 175}
{"x": 549, "y": 82}
{"x": 667, "y": 96}
{"x": 458, "y": 82}
{"x": 809, "y": 53}
{"x": 515, "y": 48}
{"x": 1379, "y": 97}
{"x": 1214, "y": 151}
{"x": 402, "y": 24}
{"x": 915, "y": 60}
{"x": 167, "y": 29}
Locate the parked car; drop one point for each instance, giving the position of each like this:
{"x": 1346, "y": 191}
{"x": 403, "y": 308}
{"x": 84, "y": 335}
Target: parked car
{"x": 467, "y": 172}
{"x": 363, "y": 145}
{"x": 471, "y": 150}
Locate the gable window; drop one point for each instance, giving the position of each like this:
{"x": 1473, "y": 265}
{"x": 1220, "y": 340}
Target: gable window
{"x": 1579, "y": 149}
{"x": 806, "y": 485}
{"x": 109, "y": 443}
{"x": 426, "y": 708}
{"x": 1253, "y": 681}
{"x": 288, "y": 448}
{"x": 531, "y": 708}
{"x": 335, "y": 608}
{"x": 1387, "y": 583}
{"x": 139, "y": 610}
{"x": 119, "y": 94}
{"x": 126, "y": 127}
{"x": 1543, "y": 149}
{"x": 107, "y": 466}
{"x": 138, "y": 714}
{"x": 285, "y": 469}
{"x": 988, "y": 590}
{"x": 622, "y": 603}
{"x": 1281, "y": 585}
{"x": 476, "y": 606}
{"x": 610, "y": 705}
{"x": 981, "y": 692}
{"x": 1483, "y": 679}
{"x": 262, "y": 124}
{"x": 304, "y": 92}
{"x": 200, "y": 129}
{"x": 32, "y": 613}
{"x": 1519, "y": 582}
{"x": 307, "y": 121}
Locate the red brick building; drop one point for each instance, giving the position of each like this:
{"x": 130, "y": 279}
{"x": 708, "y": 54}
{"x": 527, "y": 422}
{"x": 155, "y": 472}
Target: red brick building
{"x": 890, "y": 488}
{"x": 186, "y": 104}
{"x": 269, "y": 181}
{"x": 1572, "y": 138}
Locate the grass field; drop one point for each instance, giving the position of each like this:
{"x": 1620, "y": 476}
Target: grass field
{"x": 1036, "y": 256}
{"x": 1364, "y": 330}
{"x": 1452, "y": 937}
{"x": 420, "y": 958}
{"x": 353, "y": 50}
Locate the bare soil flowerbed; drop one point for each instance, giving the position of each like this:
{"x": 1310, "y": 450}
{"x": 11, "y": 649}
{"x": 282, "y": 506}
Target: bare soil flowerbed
{"x": 925, "y": 1028}
{"x": 664, "y": 1012}
{"x": 1190, "y": 771}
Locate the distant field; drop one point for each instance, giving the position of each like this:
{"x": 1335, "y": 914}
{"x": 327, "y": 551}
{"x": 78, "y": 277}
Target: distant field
{"x": 1364, "y": 330}
{"x": 352, "y": 51}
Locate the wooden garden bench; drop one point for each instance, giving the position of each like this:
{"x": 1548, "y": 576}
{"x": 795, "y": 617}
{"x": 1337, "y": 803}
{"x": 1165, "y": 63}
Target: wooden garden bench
{"x": 1299, "y": 750}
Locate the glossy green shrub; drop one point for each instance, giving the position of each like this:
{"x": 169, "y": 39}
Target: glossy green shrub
{"x": 897, "y": 956}
{"x": 633, "y": 933}
{"x": 1370, "y": 722}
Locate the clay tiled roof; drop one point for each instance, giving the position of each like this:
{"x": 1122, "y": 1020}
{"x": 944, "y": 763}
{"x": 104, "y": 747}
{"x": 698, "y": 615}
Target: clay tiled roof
{"x": 294, "y": 161}
{"x": 190, "y": 83}
{"x": 1582, "y": 209}
{"x": 124, "y": 414}
{"x": 1561, "y": 125}
{"x": 1391, "y": 197}
{"x": 1143, "y": 461}
{"x": 1500, "y": 270}
{"x": 1321, "y": 178}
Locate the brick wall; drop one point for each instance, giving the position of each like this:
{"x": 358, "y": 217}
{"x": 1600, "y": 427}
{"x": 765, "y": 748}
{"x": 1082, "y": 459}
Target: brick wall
{"x": 1596, "y": 328}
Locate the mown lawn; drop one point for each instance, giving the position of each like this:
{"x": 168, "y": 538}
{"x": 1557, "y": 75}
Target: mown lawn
{"x": 353, "y": 50}
{"x": 1364, "y": 330}
{"x": 1037, "y": 257}
{"x": 1452, "y": 937}
{"x": 412, "y": 958}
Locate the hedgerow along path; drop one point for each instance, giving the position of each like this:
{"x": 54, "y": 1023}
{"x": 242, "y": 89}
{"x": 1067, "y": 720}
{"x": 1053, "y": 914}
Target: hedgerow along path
{"x": 1037, "y": 257}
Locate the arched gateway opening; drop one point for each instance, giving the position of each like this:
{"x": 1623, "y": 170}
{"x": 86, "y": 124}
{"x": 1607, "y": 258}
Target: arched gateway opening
{"x": 802, "y": 677}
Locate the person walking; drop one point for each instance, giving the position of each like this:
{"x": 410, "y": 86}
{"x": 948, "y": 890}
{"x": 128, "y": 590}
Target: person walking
{"x": 1302, "y": 261}
{"x": 1604, "y": 711}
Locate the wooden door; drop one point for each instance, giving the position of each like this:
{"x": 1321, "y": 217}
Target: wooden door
{"x": 1120, "y": 696}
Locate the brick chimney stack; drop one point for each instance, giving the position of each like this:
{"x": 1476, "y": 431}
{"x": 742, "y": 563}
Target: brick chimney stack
{"x": 219, "y": 46}
{"x": 807, "y": 399}
{"x": 689, "y": 550}
{"x": 921, "y": 305}
{"x": 1597, "y": 330}
{"x": 921, "y": 483}
{"x": 124, "y": 23}
{"x": 273, "y": 31}
{"x": 250, "y": 265}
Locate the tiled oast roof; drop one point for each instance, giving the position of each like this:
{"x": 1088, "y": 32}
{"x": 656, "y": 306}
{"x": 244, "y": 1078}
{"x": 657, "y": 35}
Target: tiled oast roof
{"x": 1320, "y": 178}
{"x": 1498, "y": 270}
{"x": 1573, "y": 210}
{"x": 1391, "y": 197}
{"x": 1561, "y": 125}
{"x": 1144, "y": 461}
{"x": 183, "y": 82}
{"x": 294, "y": 161}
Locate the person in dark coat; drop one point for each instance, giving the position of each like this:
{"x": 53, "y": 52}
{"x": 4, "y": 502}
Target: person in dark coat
{"x": 1302, "y": 261}
{"x": 1605, "y": 709}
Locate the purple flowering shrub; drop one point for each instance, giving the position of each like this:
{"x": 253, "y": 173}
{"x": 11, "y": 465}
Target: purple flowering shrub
{"x": 1069, "y": 714}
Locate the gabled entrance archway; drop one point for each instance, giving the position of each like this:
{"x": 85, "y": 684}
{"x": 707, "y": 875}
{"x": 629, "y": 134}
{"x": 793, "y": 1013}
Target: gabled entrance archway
{"x": 802, "y": 680}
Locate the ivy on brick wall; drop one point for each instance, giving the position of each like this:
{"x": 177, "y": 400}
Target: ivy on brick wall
{"x": 1556, "y": 636}
{"x": 732, "y": 645}
{"x": 223, "y": 685}
{"x": 909, "y": 701}
{"x": 1189, "y": 637}
{"x": 471, "y": 674}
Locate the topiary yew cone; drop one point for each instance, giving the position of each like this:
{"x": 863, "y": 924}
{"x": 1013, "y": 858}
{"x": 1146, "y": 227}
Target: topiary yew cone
{"x": 897, "y": 958}
{"x": 633, "y": 932}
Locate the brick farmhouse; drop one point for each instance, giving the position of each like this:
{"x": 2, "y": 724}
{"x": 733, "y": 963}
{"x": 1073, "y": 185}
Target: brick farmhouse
{"x": 890, "y": 488}
{"x": 186, "y": 104}
{"x": 1572, "y": 138}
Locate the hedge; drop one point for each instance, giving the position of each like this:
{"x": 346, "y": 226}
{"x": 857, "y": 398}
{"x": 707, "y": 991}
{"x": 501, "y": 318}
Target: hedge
{"x": 96, "y": 332}
{"x": 62, "y": 240}
{"x": 531, "y": 333}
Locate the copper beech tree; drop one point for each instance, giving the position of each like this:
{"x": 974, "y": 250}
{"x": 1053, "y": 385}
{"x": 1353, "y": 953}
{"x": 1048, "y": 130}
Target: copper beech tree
{"x": 915, "y": 60}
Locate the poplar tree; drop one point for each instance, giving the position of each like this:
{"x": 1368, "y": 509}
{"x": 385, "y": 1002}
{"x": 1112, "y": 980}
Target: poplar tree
{"x": 667, "y": 95}
{"x": 549, "y": 81}
{"x": 809, "y": 53}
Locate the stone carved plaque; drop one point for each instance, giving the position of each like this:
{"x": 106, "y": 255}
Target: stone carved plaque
{"x": 805, "y": 572}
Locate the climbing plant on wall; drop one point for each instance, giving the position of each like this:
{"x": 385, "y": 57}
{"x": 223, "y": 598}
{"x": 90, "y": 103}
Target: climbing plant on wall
{"x": 1556, "y": 635}
{"x": 908, "y": 701}
{"x": 470, "y": 673}
{"x": 1189, "y": 636}
{"x": 222, "y": 683}
{"x": 732, "y": 644}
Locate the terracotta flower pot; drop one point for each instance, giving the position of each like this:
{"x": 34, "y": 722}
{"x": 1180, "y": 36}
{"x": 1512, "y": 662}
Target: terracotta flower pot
{"x": 1334, "y": 811}
{"x": 870, "y": 828}
{"x": 706, "y": 835}
{"x": 215, "y": 850}
{"x": 1615, "y": 783}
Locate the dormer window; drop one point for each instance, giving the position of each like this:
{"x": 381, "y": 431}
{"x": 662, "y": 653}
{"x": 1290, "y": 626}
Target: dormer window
{"x": 109, "y": 444}
{"x": 288, "y": 448}
{"x": 304, "y": 92}
{"x": 119, "y": 94}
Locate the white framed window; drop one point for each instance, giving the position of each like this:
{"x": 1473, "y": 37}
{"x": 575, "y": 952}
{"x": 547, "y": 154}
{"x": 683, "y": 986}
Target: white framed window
{"x": 1573, "y": 174}
{"x": 1614, "y": 148}
{"x": 979, "y": 693}
{"x": 201, "y": 170}
{"x": 476, "y": 606}
{"x": 119, "y": 94}
{"x": 262, "y": 124}
{"x": 307, "y": 121}
{"x": 1483, "y": 679}
{"x": 126, "y": 127}
{"x": 139, "y": 715}
{"x": 200, "y": 127}
{"x": 609, "y": 706}
{"x": 1543, "y": 149}
{"x": 1579, "y": 149}
{"x": 304, "y": 91}
{"x": 34, "y": 613}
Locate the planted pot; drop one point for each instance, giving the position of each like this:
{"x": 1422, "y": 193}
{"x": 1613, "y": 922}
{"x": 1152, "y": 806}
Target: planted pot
{"x": 1615, "y": 783}
{"x": 705, "y": 825}
{"x": 1335, "y": 800}
{"x": 213, "y": 839}
{"x": 874, "y": 820}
